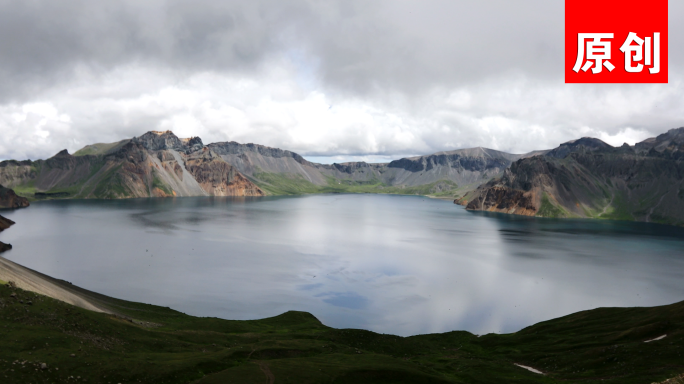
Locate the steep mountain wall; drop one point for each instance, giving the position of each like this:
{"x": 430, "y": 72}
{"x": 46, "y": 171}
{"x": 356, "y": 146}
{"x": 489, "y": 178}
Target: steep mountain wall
{"x": 152, "y": 165}
{"x": 589, "y": 178}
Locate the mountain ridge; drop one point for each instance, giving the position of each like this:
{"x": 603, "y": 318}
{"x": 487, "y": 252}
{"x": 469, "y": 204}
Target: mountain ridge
{"x": 155, "y": 164}
{"x": 582, "y": 178}
{"x": 587, "y": 178}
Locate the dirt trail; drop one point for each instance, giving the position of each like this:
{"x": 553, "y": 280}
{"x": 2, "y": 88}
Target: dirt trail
{"x": 270, "y": 378}
{"x": 31, "y": 280}
{"x": 656, "y": 339}
{"x": 529, "y": 369}
{"x": 650, "y": 212}
{"x": 607, "y": 206}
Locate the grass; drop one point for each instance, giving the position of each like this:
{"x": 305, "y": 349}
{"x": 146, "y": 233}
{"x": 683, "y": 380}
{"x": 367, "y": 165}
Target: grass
{"x": 619, "y": 209}
{"x": 295, "y": 184}
{"x": 110, "y": 186}
{"x": 548, "y": 209}
{"x": 152, "y": 344}
{"x": 73, "y": 190}
{"x": 26, "y": 190}
{"x": 158, "y": 183}
{"x": 99, "y": 148}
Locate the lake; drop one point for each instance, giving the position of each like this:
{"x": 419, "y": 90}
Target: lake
{"x": 404, "y": 265}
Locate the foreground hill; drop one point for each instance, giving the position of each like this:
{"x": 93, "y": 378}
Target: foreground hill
{"x": 48, "y": 340}
{"x": 161, "y": 164}
{"x": 589, "y": 178}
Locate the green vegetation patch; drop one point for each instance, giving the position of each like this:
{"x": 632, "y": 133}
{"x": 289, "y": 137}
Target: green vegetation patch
{"x": 27, "y": 189}
{"x": 109, "y": 185}
{"x": 619, "y": 209}
{"x": 284, "y": 183}
{"x": 548, "y": 209}
{"x": 151, "y": 344}
{"x": 100, "y": 148}
{"x": 158, "y": 183}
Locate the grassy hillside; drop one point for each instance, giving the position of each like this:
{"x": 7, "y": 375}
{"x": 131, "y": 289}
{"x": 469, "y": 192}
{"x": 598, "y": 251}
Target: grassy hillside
{"x": 151, "y": 344}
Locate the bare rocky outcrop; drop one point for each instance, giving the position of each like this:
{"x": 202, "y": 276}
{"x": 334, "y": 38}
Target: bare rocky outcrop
{"x": 151, "y": 165}
{"x": 589, "y": 178}
{"x": 156, "y": 141}
{"x": 4, "y": 224}
{"x": 505, "y": 200}
{"x": 9, "y": 199}
{"x": 217, "y": 177}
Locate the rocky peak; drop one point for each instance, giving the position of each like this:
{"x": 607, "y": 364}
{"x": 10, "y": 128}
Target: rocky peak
{"x": 584, "y": 144}
{"x": 234, "y": 148}
{"x": 193, "y": 143}
{"x": 671, "y": 141}
{"x": 470, "y": 159}
{"x": 62, "y": 153}
{"x": 157, "y": 141}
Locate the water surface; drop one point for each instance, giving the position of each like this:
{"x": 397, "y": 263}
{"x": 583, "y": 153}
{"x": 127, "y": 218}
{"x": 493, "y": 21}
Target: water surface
{"x": 392, "y": 264}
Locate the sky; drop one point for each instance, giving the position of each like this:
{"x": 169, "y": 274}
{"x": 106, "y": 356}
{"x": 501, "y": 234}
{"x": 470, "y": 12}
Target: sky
{"x": 333, "y": 80}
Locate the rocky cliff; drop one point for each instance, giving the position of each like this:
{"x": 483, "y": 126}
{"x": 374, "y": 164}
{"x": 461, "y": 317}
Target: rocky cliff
{"x": 156, "y": 164}
{"x": 9, "y": 199}
{"x": 4, "y": 224}
{"x": 589, "y": 178}
{"x": 217, "y": 177}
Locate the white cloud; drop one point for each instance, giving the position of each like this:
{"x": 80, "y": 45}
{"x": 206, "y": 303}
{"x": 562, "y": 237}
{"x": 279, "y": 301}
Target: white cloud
{"x": 401, "y": 79}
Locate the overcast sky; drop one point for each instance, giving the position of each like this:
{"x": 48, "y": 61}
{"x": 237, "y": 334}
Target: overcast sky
{"x": 332, "y": 80}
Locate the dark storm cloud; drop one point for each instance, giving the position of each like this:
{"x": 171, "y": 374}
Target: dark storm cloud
{"x": 356, "y": 45}
{"x": 359, "y": 44}
{"x": 343, "y": 77}
{"x": 45, "y": 42}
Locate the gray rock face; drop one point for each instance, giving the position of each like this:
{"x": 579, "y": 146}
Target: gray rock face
{"x": 668, "y": 145}
{"x": 156, "y": 141}
{"x": 589, "y": 178}
{"x": 463, "y": 167}
{"x": 9, "y": 199}
{"x": 4, "y": 224}
{"x": 233, "y": 148}
{"x": 585, "y": 143}
{"x": 453, "y": 160}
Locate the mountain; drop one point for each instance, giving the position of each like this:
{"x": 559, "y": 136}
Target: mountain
{"x": 156, "y": 164}
{"x": 161, "y": 164}
{"x": 581, "y": 178}
{"x": 589, "y": 178}
{"x": 445, "y": 173}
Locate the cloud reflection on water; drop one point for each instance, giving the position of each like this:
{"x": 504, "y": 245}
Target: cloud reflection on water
{"x": 393, "y": 264}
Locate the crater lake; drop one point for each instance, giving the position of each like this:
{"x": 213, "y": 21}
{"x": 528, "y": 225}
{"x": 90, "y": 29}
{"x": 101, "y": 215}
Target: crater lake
{"x": 404, "y": 265}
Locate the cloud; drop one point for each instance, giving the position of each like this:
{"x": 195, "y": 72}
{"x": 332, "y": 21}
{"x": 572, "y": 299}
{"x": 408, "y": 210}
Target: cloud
{"x": 339, "y": 79}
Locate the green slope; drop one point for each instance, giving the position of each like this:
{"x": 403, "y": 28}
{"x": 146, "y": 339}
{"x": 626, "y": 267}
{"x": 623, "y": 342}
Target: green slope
{"x": 151, "y": 344}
